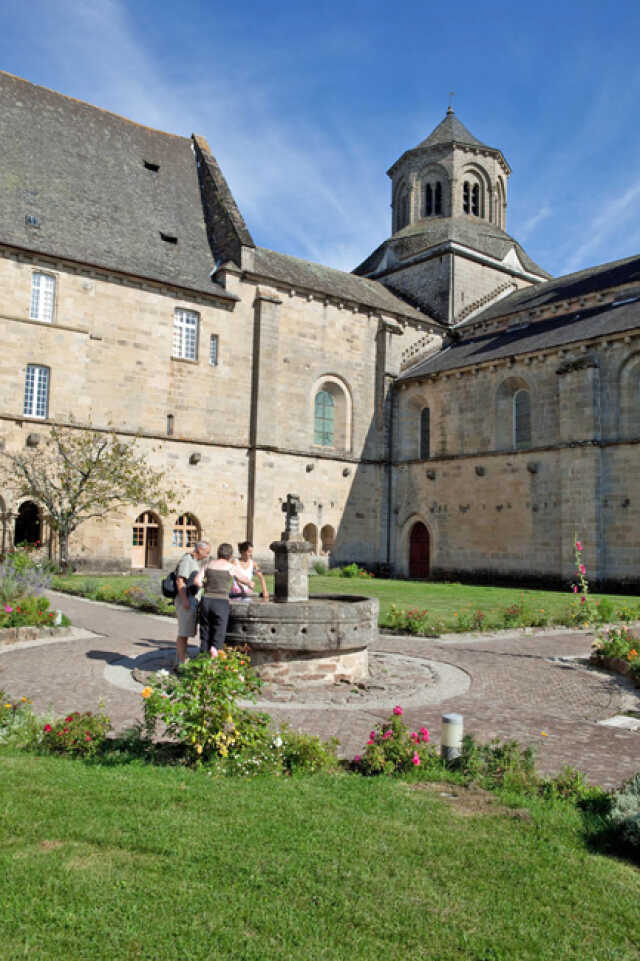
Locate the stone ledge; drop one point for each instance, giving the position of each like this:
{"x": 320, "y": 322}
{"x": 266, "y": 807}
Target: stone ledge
{"x": 10, "y": 635}
{"x": 618, "y": 665}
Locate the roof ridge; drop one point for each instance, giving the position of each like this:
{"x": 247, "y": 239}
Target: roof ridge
{"x": 85, "y": 103}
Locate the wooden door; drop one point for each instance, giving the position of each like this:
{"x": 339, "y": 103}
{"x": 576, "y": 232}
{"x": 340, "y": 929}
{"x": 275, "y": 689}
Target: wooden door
{"x": 419, "y": 551}
{"x": 146, "y": 543}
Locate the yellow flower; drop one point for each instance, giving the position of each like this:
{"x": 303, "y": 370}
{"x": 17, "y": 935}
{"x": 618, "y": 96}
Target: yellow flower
{"x": 147, "y": 691}
{"x": 24, "y": 700}
{"x": 224, "y": 752}
{"x": 199, "y": 748}
{"x": 544, "y": 733}
{"x": 222, "y": 655}
{"x": 9, "y": 706}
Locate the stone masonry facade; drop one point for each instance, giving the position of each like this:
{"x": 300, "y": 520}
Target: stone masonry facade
{"x": 530, "y": 385}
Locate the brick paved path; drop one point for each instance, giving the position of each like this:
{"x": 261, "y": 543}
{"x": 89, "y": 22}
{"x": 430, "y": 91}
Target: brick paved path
{"x": 516, "y": 691}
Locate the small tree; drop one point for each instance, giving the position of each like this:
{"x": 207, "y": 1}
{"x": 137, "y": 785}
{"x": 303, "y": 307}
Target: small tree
{"x": 79, "y": 474}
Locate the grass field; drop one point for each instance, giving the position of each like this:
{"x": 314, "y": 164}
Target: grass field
{"x": 162, "y": 864}
{"x": 444, "y": 601}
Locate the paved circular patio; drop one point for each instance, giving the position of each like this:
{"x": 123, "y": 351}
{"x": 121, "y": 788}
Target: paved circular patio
{"x": 524, "y": 686}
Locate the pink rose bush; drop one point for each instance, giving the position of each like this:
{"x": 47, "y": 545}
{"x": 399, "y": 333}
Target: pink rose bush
{"x": 393, "y": 749}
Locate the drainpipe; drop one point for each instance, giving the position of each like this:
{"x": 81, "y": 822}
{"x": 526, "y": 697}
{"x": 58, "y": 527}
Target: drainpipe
{"x": 389, "y": 461}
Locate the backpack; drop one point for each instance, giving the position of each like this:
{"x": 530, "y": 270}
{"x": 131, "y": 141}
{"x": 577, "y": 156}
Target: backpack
{"x": 169, "y": 588}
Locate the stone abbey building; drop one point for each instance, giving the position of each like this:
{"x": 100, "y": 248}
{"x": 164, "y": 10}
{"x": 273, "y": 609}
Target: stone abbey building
{"x": 447, "y": 409}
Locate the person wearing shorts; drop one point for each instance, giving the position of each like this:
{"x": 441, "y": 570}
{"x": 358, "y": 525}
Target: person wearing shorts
{"x": 187, "y": 597}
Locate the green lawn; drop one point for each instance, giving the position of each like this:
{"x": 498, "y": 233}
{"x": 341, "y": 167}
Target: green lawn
{"x": 445, "y": 602}
{"x": 163, "y": 864}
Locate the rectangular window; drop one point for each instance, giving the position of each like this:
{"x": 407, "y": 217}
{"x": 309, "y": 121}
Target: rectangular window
{"x": 213, "y": 350}
{"x": 185, "y": 334}
{"x": 36, "y": 391}
{"x": 43, "y": 291}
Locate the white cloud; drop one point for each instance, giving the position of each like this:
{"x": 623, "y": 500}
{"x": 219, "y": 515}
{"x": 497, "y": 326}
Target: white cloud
{"x": 530, "y": 225}
{"x": 604, "y": 228}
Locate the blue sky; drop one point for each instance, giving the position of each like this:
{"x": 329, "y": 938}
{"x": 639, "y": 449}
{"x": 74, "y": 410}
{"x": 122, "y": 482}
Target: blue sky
{"x": 306, "y": 105}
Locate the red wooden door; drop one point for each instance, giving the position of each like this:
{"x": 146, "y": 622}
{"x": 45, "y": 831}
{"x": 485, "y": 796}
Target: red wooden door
{"x": 419, "y": 551}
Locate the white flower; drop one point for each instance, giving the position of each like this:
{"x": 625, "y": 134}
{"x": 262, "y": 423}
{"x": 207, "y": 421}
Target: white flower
{"x": 162, "y": 673}
{"x": 241, "y": 678}
{"x": 277, "y": 741}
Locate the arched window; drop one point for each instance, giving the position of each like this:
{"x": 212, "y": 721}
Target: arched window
{"x": 331, "y": 412}
{"x": 521, "y": 419}
{"x": 428, "y": 201}
{"x": 186, "y": 532}
{"x": 324, "y": 419}
{"x": 466, "y": 197}
{"x": 425, "y": 433}
{"x": 327, "y": 538}
{"x": 438, "y": 199}
{"x": 310, "y": 534}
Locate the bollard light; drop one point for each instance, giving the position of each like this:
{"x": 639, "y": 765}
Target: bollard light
{"x": 451, "y": 737}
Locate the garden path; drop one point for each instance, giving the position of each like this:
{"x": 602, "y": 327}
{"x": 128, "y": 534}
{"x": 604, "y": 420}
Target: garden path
{"x": 520, "y": 687}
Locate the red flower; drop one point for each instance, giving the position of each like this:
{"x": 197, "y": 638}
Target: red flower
{"x": 88, "y": 737}
{"x": 66, "y": 730}
{"x": 68, "y": 719}
{"x": 47, "y": 728}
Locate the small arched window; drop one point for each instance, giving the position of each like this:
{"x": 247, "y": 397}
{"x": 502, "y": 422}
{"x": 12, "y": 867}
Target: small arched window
{"x": 438, "y": 199}
{"x": 428, "y": 201}
{"x": 522, "y": 419}
{"x": 466, "y": 197}
{"x": 425, "y": 433}
{"x": 324, "y": 419}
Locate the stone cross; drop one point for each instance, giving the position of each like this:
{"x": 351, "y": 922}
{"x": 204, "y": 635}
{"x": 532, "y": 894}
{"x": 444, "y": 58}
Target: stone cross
{"x": 292, "y": 508}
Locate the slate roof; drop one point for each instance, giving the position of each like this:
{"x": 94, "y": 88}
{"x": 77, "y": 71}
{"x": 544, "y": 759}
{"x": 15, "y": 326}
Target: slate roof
{"x": 578, "y": 284}
{"x": 429, "y": 232}
{"x": 306, "y": 275}
{"x": 450, "y": 130}
{"x": 81, "y": 171}
{"x": 538, "y": 335}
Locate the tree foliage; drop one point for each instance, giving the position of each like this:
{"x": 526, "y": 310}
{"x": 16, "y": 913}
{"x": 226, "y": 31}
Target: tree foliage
{"x": 77, "y": 474}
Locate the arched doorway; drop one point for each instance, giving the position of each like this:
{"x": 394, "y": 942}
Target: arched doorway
{"x": 146, "y": 550}
{"x": 186, "y": 532}
{"x": 327, "y": 537}
{"x": 28, "y": 524}
{"x": 310, "y": 533}
{"x": 419, "y": 551}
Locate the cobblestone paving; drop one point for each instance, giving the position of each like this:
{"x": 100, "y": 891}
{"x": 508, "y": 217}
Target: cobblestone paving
{"x": 520, "y": 687}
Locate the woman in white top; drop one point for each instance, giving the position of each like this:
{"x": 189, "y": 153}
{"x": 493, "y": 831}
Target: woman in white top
{"x": 250, "y": 569}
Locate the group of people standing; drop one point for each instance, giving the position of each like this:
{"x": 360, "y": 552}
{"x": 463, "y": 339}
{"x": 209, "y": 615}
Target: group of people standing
{"x": 204, "y": 588}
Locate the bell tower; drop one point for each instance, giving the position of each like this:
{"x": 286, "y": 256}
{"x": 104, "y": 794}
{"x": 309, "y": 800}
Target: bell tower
{"x": 449, "y": 253}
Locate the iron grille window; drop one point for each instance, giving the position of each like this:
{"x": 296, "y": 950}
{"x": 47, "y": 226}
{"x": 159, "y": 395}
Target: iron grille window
{"x": 36, "y": 391}
{"x": 324, "y": 419}
{"x": 185, "y": 334}
{"x": 43, "y": 291}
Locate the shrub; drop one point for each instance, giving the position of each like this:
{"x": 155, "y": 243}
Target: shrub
{"x": 413, "y": 621}
{"x": 305, "y": 753}
{"x": 616, "y": 642}
{"x": 320, "y": 567}
{"x": 570, "y": 785}
{"x": 393, "y": 749}
{"x": 23, "y": 580}
{"x": 76, "y": 735}
{"x": 497, "y": 764}
{"x": 625, "y": 814}
{"x": 199, "y": 706}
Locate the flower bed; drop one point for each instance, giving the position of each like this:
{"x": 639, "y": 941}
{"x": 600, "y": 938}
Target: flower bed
{"x": 617, "y": 650}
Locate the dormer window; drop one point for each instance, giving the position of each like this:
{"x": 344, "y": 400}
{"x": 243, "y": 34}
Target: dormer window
{"x": 154, "y": 168}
